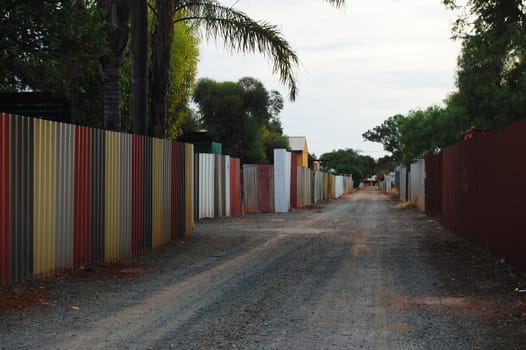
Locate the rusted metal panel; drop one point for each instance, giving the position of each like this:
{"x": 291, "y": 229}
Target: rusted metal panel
{"x": 235, "y": 187}
{"x": 265, "y": 174}
{"x": 82, "y": 197}
{"x": 97, "y": 201}
{"x": 125, "y": 195}
{"x": 5, "y": 195}
{"x": 476, "y": 203}
{"x": 137, "y": 207}
{"x": 21, "y": 201}
{"x": 433, "y": 184}
{"x": 304, "y": 187}
{"x": 44, "y": 197}
{"x": 189, "y": 189}
{"x": 167, "y": 191}
{"x": 250, "y": 189}
{"x": 64, "y": 150}
{"x": 282, "y": 180}
{"x": 157, "y": 194}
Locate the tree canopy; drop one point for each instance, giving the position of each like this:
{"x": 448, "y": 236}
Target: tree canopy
{"x": 491, "y": 83}
{"x": 243, "y": 116}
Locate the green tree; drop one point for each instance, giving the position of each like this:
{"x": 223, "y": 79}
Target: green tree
{"x": 54, "y": 47}
{"x": 216, "y": 21}
{"x": 242, "y": 116}
{"x": 492, "y": 67}
{"x": 347, "y": 161}
{"x": 387, "y": 134}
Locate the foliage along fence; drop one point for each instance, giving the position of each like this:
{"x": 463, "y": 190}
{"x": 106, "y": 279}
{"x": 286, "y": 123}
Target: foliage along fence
{"x": 217, "y": 186}
{"x": 71, "y": 195}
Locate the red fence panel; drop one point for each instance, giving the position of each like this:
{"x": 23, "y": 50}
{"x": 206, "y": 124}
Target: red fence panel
{"x": 82, "y": 197}
{"x": 5, "y": 184}
{"x": 433, "y": 184}
{"x": 294, "y": 180}
{"x": 481, "y": 200}
{"x": 235, "y": 187}
{"x": 265, "y": 186}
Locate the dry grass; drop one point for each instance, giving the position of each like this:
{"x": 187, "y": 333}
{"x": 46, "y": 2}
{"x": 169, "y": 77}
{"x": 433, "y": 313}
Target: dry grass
{"x": 404, "y": 205}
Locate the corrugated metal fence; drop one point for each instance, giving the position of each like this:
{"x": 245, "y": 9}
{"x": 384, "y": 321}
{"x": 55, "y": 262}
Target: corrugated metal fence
{"x": 481, "y": 198}
{"x": 217, "y": 191}
{"x": 71, "y": 195}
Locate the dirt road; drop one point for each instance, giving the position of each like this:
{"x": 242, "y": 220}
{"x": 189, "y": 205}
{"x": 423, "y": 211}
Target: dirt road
{"x": 355, "y": 273}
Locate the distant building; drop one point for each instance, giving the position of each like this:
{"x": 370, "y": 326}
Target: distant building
{"x": 300, "y": 152}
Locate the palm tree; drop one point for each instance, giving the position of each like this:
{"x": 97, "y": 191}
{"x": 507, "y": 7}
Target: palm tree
{"x": 117, "y": 17}
{"x": 216, "y": 21}
{"x": 139, "y": 51}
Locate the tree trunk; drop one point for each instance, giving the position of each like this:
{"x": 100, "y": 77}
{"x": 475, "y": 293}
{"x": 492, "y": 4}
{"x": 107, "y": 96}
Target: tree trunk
{"x": 112, "y": 93}
{"x": 139, "y": 52}
{"x": 162, "y": 37}
{"x": 117, "y": 16}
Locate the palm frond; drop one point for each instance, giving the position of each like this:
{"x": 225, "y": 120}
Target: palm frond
{"x": 336, "y": 3}
{"x": 242, "y": 34}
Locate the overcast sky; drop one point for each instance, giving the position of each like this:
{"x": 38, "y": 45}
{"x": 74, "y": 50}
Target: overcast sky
{"x": 360, "y": 65}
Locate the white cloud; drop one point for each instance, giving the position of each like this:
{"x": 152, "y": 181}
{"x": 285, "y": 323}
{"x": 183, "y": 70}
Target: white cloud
{"x": 360, "y": 65}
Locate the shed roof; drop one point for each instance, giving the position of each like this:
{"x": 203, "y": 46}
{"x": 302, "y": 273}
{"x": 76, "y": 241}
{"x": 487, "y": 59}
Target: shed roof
{"x": 296, "y": 143}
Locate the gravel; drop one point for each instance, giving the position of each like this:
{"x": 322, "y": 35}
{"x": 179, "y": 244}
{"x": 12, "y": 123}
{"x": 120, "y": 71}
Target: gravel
{"x": 354, "y": 273}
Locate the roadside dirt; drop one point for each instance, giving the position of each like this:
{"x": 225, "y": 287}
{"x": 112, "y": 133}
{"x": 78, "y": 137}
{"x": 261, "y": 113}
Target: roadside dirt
{"x": 355, "y": 273}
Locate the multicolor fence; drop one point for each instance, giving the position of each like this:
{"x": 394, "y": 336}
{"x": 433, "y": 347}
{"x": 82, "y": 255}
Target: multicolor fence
{"x": 294, "y": 187}
{"x": 71, "y": 195}
{"x": 217, "y": 186}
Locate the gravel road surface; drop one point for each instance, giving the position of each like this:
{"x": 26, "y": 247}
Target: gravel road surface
{"x": 354, "y": 273}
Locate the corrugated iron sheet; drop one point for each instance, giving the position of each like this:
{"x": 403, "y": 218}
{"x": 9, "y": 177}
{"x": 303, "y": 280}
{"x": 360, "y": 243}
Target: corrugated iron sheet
{"x": 125, "y": 196}
{"x": 5, "y": 195}
{"x": 433, "y": 184}
{"x": 189, "y": 189}
{"x": 418, "y": 175}
{"x": 235, "y": 187}
{"x": 71, "y": 195}
{"x": 82, "y": 197}
{"x": 265, "y": 182}
{"x": 137, "y": 206}
{"x": 480, "y": 200}
{"x": 167, "y": 191}
{"x": 157, "y": 193}
{"x": 64, "y": 180}
{"x": 250, "y": 189}
{"x": 111, "y": 198}
{"x": 21, "y": 201}
{"x": 296, "y": 159}
{"x": 282, "y": 180}
{"x": 206, "y": 169}
{"x": 227, "y": 186}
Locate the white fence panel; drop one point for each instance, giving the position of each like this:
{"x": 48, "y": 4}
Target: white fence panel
{"x": 282, "y": 173}
{"x": 206, "y": 185}
{"x": 418, "y": 187}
